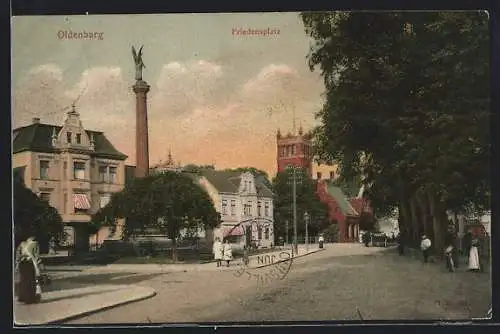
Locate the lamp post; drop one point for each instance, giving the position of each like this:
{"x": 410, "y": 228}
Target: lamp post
{"x": 294, "y": 196}
{"x": 306, "y": 220}
{"x": 286, "y": 231}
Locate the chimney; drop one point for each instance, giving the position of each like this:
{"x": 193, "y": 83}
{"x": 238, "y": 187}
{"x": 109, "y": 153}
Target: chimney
{"x": 332, "y": 175}
{"x": 35, "y": 120}
{"x": 318, "y": 175}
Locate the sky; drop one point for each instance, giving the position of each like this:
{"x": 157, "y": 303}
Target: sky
{"x": 216, "y": 97}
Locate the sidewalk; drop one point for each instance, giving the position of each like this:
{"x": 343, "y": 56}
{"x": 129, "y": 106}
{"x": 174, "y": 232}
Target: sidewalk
{"x": 61, "y": 305}
{"x": 162, "y": 268}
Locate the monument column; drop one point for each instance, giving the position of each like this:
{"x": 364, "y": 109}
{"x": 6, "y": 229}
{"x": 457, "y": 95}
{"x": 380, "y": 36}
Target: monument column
{"x": 141, "y": 89}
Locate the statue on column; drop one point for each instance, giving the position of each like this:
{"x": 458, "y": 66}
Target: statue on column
{"x": 139, "y": 64}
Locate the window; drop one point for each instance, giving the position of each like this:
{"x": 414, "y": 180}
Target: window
{"x": 247, "y": 208}
{"x": 233, "y": 207}
{"x": 45, "y": 197}
{"x": 224, "y": 207}
{"x": 102, "y": 173}
{"x": 259, "y": 232}
{"x": 112, "y": 174}
{"x": 266, "y": 209}
{"x": 68, "y": 137}
{"x": 78, "y": 138}
{"x": 104, "y": 200}
{"x": 259, "y": 207}
{"x": 79, "y": 170}
{"x": 81, "y": 203}
{"x": 266, "y": 233}
{"x": 293, "y": 149}
{"x": 44, "y": 169}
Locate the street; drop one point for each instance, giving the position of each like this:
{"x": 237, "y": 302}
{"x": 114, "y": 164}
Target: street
{"x": 344, "y": 282}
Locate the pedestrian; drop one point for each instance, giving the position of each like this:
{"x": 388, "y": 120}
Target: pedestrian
{"x": 450, "y": 265}
{"x": 227, "y": 252}
{"x": 401, "y": 243}
{"x": 474, "y": 264}
{"x": 217, "y": 251}
{"x": 246, "y": 260}
{"x": 425, "y": 246}
{"x": 28, "y": 265}
{"x": 321, "y": 240}
{"x": 52, "y": 245}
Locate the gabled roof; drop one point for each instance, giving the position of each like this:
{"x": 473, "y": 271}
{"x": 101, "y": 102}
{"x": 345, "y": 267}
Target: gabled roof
{"x": 341, "y": 199}
{"x": 229, "y": 182}
{"x": 38, "y": 137}
{"x": 223, "y": 181}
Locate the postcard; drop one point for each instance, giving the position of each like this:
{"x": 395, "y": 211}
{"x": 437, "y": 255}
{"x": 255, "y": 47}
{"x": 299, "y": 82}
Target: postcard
{"x": 251, "y": 167}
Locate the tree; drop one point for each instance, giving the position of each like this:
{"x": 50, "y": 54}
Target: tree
{"x": 366, "y": 222}
{"x": 307, "y": 201}
{"x": 192, "y": 168}
{"x": 35, "y": 217}
{"x": 407, "y": 106}
{"x": 169, "y": 202}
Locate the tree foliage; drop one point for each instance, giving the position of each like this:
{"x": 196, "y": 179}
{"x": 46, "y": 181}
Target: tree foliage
{"x": 306, "y": 201}
{"x": 168, "y": 202}
{"x": 35, "y": 217}
{"x": 407, "y": 106}
{"x": 192, "y": 168}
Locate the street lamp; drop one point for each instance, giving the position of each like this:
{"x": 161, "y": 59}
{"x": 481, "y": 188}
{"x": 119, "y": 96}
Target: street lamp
{"x": 293, "y": 169}
{"x": 286, "y": 232}
{"x": 306, "y": 220}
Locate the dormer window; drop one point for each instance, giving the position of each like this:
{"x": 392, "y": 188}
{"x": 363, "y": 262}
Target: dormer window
{"x": 78, "y": 138}
{"x": 68, "y": 137}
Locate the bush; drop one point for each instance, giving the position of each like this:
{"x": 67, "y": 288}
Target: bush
{"x": 331, "y": 233}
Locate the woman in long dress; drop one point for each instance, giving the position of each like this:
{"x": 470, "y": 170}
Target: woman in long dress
{"x": 217, "y": 251}
{"x": 28, "y": 264}
{"x": 227, "y": 252}
{"x": 474, "y": 264}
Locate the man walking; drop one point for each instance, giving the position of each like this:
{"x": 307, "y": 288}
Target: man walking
{"x": 425, "y": 246}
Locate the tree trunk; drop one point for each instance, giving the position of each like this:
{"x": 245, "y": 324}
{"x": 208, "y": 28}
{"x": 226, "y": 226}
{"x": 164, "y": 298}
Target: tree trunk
{"x": 403, "y": 205}
{"x": 414, "y": 217}
{"x": 424, "y": 213}
{"x": 437, "y": 224}
{"x": 174, "y": 249}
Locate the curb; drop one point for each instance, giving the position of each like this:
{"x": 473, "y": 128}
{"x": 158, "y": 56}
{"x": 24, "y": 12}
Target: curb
{"x": 61, "y": 320}
{"x": 86, "y": 313}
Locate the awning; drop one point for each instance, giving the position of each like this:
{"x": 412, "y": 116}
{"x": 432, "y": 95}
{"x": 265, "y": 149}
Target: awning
{"x": 234, "y": 231}
{"x": 81, "y": 201}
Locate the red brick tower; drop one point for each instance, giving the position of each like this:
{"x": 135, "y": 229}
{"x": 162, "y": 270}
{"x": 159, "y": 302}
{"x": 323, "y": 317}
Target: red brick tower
{"x": 141, "y": 89}
{"x": 294, "y": 149}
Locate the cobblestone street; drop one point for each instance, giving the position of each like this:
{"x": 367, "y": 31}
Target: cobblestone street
{"x": 345, "y": 282}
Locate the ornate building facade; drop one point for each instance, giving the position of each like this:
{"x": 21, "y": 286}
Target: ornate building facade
{"x": 74, "y": 169}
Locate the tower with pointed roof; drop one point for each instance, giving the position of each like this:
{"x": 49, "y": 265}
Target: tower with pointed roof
{"x": 294, "y": 149}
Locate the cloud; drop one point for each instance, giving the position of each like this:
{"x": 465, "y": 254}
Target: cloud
{"x": 197, "y": 109}
{"x": 182, "y": 87}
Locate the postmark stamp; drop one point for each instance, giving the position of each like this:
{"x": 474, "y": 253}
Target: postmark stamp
{"x": 266, "y": 268}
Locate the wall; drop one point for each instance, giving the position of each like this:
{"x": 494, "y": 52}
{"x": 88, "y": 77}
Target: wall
{"x": 24, "y": 159}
